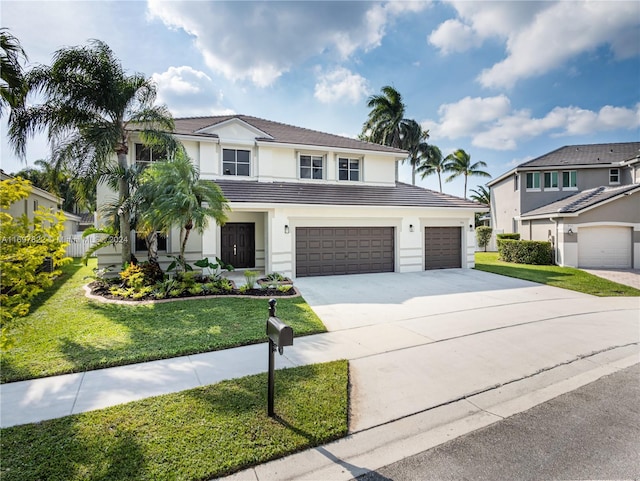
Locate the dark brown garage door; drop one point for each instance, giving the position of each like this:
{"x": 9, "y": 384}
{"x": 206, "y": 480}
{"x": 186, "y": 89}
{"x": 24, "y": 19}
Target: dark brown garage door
{"x": 443, "y": 247}
{"x": 328, "y": 251}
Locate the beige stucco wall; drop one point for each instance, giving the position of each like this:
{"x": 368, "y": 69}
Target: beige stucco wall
{"x": 505, "y": 205}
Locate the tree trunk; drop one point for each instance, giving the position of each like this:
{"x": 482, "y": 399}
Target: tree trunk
{"x": 123, "y": 214}
{"x": 152, "y": 246}
{"x": 440, "y": 182}
{"x": 413, "y": 173}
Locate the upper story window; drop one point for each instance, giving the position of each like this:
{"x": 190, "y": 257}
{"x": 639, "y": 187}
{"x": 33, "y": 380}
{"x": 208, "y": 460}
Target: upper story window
{"x": 551, "y": 180}
{"x": 570, "y": 180}
{"x": 236, "y": 162}
{"x": 348, "y": 169}
{"x": 614, "y": 176}
{"x": 311, "y": 166}
{"x": 533, "y": 180}
{"x": 516, "y": 183}
{"x": 145, "y": 155}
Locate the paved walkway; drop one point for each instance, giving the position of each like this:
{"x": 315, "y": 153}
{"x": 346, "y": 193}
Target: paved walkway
{"x": 629, "y": 277}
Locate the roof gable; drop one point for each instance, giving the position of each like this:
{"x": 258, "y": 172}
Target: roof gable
{"x": 234, "y": 129}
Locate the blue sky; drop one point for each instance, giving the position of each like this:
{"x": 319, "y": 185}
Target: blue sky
{"x": 506, "y": 81}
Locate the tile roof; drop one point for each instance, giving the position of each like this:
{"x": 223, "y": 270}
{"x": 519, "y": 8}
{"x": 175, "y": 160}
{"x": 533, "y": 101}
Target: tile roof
{"x": 281, "y": 133}
{"x": 400, "y": 195}
{"x": 581, "y": 200}
{"x": 588, "y": 154}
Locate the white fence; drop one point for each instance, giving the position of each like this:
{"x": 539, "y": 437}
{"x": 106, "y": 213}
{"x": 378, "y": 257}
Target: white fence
{"x": 77, "y": 245}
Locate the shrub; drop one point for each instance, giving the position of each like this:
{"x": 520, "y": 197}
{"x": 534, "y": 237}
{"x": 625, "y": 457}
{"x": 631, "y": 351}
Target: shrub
{"x": 250, "y": 277}
{"x": 507, "y": 236}
{"x": 483, "y": 235}
{"x": 25, "y": 246}
{"x": 525, "y": 252}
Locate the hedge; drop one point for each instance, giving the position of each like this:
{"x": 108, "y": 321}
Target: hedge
{"x": 525, "y": 251}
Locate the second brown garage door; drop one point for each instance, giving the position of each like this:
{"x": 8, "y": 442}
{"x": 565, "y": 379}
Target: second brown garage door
{"x": 443, "y": 247}
{"x": 327, "y": 251}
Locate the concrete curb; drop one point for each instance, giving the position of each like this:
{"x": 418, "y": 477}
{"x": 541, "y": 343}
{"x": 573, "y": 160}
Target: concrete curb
{"x": 371, "y": 449}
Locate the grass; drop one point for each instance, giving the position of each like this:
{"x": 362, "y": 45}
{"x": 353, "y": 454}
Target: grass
{"x": 192, "y": 435}
{"x": 564, "y": 277}
{"x": 67, "y": 332}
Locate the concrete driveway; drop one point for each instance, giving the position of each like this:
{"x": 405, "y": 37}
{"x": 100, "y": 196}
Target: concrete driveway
{"x": 426, "y": 339}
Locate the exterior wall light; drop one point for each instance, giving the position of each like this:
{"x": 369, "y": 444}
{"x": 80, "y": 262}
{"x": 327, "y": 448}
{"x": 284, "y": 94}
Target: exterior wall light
{"x": 286, "y": 229}
{"x": 470, "y": 227}
{"x": 410, "y": 227}
{"x": 570, "y": 231}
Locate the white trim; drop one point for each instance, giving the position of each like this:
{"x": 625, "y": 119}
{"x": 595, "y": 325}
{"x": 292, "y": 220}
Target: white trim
{"x": 233, "y": 120}
{"x": 332, "y": 148}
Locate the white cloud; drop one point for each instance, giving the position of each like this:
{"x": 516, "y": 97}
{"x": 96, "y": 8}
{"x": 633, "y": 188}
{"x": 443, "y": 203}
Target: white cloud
{"x": 454, "y": 36}
{"x": 491, "y": 122}
{"x": 187, "y": 91}
{"x": 260, "y": 41}
{"x": 341, "y": 84}
{"x": 539, "y": 36}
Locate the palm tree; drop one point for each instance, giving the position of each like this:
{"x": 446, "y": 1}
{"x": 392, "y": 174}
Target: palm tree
{"x": 460, "y": 164}
{"x": 432, "y": 162}
{"x": 11, "y": 74}
{"x": 482, "y": 195}
{"x": 383, "y": 126}
{"x": 414, "y": 141}
{"x": 91, "y": 108}
{"x": 182, "y": 199}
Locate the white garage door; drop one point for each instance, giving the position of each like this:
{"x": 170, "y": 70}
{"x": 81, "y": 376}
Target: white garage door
{"x": 608, "y": 247}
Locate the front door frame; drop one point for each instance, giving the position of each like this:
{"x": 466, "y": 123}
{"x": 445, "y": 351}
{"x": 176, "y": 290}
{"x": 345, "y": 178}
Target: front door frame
{"x": 235, "y": 249}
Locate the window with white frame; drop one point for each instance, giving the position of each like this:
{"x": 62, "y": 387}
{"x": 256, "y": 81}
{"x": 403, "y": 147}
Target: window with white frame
{"x": 516, "y": 182}
{"x": 145, "y": 155}
{"x": 551, "y": 181}
{"x": 570, "y": 180}
{"x": 533, "y": 180}
{"x": 614, "y": 176}
{"x": 348, "y": 169}
{"x": 311, "y": 166}
{"x": 236, "y": 162}
{"x": 161, "y": 239}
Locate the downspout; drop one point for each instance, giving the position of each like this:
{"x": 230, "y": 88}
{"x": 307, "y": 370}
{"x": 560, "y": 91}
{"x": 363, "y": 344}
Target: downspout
{"x": 555, "y": 246}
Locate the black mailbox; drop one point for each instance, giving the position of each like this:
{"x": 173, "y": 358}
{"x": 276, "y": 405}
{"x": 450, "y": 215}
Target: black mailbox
{"x": 279, "y": 333}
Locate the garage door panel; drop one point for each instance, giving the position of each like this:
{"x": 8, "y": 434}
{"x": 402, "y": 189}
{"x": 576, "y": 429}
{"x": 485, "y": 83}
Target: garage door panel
{"x": 344, "y": 250}
{"x": 443, "y": 247}
{"x": 604, "y": 247}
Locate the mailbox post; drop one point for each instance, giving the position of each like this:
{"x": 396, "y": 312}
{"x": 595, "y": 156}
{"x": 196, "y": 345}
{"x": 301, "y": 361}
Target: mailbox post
{"x": 280, "y": 335}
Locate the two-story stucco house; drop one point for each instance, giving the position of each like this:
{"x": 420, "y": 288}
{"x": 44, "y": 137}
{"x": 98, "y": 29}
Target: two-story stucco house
{"x": 584, "y": 198}
{"x": 307, "y": 203}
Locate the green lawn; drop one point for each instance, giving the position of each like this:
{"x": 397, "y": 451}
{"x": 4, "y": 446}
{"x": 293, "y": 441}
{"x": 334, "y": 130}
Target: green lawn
{"x": 192, "y": 435}
{"x": 564, "y": 277}
{"x": 66, "y": 332}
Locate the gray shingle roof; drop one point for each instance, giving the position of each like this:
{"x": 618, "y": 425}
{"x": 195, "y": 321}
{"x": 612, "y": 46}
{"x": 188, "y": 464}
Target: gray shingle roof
{"x": 281, "y": 133}
{"x": 400, "y": 195}
{"x": 589, "y": 154}
{"x": 580, "y": 201}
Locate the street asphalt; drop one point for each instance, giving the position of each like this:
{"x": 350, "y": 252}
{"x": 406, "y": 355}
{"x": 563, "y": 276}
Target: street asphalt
{"x": 590, "y": 433}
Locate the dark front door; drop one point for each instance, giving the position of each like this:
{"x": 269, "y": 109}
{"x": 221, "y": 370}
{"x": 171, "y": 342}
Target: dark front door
{"x": 238, "y": 244}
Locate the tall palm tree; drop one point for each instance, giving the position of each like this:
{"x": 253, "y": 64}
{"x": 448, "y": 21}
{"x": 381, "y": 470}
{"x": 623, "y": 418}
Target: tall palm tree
{"x": 460, "y": 164}
{"x": 11, "y": 73}
{"x": 414, "y": 141}
{"x": 481, "y": 194}
{"x": 383, "y": 126}
{"x": 182, "y": 199}
{"x": 432, "y": 162}
{"x": 91, "y": 108}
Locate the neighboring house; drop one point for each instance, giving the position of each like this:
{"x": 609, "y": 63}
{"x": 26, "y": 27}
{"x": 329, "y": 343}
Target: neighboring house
{"x": 307, "y": 203}
{"x": 41, "y": 198}
{"x": 583, "y": 198}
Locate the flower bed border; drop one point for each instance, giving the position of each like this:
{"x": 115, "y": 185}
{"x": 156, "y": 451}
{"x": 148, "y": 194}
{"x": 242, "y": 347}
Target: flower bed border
{"x": 96, "y": 297}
